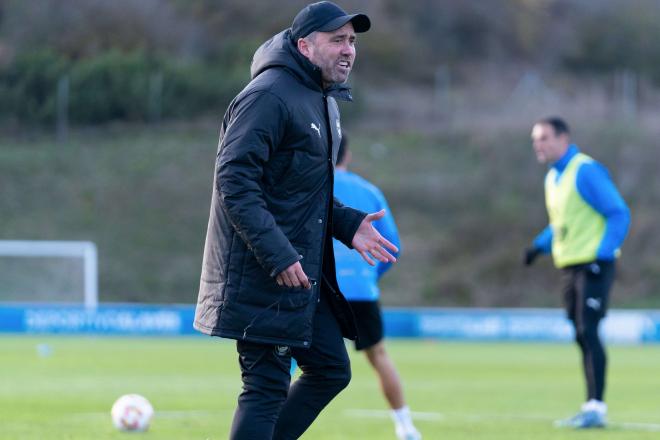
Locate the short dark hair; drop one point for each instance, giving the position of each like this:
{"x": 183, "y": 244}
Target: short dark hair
{"x": 558, "y": 125}
{"x": 343, "y": 148}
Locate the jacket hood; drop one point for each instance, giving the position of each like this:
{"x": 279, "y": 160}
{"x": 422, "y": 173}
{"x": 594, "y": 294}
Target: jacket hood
{"x": 280, "y": 52}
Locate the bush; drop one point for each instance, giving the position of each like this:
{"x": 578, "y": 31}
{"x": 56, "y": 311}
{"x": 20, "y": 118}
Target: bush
{"x": 630, "y": 44}
{"x": 28, "y": 86}
{"x": 196, "y": 88}
{"x": 110, "y": 86}
{"x": 114, "y": 85}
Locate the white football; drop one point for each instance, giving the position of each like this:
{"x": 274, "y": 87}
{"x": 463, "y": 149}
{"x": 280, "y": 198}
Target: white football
{"x": 132, "y": 412}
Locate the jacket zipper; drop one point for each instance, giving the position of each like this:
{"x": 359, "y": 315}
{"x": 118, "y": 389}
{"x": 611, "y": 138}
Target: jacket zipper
{"x": 329, "y": 200}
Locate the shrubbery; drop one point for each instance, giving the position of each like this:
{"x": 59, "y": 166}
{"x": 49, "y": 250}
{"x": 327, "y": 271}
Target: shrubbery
{"x": 628, "y": 41}
{"x": 28, "y": 86}
{"x": 114, "y": 85}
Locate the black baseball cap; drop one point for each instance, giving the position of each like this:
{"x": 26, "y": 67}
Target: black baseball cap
{"x": 325, "y": 17}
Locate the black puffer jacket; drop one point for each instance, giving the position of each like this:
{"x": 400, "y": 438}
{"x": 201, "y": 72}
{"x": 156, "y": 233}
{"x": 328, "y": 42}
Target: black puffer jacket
{"x": 273, "y": 205}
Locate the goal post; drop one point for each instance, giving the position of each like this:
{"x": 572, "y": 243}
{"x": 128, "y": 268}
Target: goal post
{"x": 85, "y": 250}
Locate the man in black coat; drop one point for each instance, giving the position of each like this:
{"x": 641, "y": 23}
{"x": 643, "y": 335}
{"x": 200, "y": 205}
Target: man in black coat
{"x": 268, "y": 275}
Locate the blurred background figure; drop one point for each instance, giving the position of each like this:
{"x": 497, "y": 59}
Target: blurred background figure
{"x": 588, "y": 223}
{"x": 358, "y": 281}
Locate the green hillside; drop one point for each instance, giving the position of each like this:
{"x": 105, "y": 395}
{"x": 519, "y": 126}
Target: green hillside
{"x": 467, "y": 203}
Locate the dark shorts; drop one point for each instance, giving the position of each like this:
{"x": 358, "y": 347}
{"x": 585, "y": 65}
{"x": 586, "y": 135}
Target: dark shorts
{"x": 586, "y": 289}
{"x": 369, "y": 321}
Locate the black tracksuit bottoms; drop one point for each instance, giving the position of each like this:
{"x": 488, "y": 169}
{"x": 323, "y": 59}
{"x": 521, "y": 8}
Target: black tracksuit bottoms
{"x": 586, "y": 290}
{"x": 268, "y": 408}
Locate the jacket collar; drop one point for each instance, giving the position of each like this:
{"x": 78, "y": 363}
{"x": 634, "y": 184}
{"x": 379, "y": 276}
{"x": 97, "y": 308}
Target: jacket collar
{"x": 561, "y": 164}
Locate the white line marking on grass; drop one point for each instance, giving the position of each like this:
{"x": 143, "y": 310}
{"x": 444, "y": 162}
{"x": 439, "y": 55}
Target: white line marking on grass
{"x": 183, "y": 414}
{"x": 383, "y": 414}
{"x": 653, "y": 427}
{"x": 436, "y": 417}
{"x": 161, "y": 414}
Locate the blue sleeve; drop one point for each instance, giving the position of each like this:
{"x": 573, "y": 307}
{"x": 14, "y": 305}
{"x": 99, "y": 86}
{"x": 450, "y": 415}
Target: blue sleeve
{"x": 597, "y": 189}
{"x": 543, "y": 241}
{"x": 387, "y": 228}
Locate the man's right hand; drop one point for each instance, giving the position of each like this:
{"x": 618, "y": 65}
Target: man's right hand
{"x": 293, "y": 276}
{"x": 530, "y": 255}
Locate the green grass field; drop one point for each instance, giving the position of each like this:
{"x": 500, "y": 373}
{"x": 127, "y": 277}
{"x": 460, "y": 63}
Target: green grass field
{"x": 456, "y": 390}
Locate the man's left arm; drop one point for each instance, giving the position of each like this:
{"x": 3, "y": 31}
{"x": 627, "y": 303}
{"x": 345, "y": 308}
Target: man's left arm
{"x": 598, "y": 190}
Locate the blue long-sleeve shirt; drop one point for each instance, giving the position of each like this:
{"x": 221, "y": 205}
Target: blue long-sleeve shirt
{"x": 358, "y": 281}
{"x": 597, "y": 189}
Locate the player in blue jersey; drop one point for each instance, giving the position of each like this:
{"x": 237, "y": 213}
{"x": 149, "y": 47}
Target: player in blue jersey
{"x": 358, "y": 281}
{"x": 588, "y": 223}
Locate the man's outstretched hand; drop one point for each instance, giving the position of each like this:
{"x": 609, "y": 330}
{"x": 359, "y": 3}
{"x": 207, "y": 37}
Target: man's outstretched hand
{"x": 370, "y": 244}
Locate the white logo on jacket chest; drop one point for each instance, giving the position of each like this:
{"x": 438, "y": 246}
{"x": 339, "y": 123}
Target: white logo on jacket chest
{"x": 317, "y": 128}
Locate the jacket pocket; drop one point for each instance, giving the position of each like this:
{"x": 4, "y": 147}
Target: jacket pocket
{"x": 260, "y": 289}
{"x": 292, "y": 299}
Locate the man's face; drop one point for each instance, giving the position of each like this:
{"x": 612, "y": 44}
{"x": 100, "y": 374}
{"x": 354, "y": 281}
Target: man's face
{"x": 548, "y": 147}
{"x": 333, "y": 52}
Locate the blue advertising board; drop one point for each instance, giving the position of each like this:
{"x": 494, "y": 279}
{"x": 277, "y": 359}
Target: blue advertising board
{"x": 620, "y": 326}
{"x": 120, "y": 319}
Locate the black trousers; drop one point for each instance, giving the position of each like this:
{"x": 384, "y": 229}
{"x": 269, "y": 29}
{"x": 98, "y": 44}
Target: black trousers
{"x": 586, "y": 289}
{"x": 268, "y": 408}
